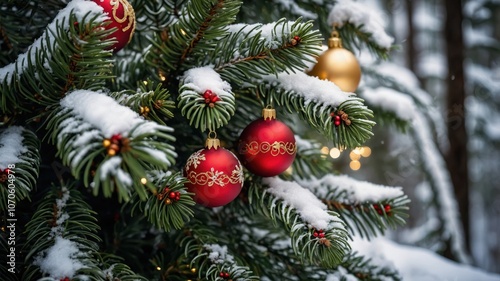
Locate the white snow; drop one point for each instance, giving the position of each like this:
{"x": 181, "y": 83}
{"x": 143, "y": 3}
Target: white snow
{"x": 111, "y": 167}
{"x": 101, "y": 111}
{"x": 393, "y": 101}
{"x": 206, "y": 78}
{"x": 61, "y": 259}
{"x": 356, "y": 191}
{"x": 11, "y": 146}
{"x": 368, "y": 20}
{"x": 218, "y": 254}
{"x": 308, "y": 206}
{"x": 418, "y": 264}
{"x": 310, "y": 88}
{"x": 80, "y": 8}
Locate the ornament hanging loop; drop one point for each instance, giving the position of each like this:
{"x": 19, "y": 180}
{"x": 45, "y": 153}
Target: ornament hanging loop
{"x": 212, "y": 140}
{"x": 334, "y": 41}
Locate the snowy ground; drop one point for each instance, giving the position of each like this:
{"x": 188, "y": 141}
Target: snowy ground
{"x": 418, "y": 264}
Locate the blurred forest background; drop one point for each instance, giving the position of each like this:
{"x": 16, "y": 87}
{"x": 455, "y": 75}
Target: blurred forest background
{"x": 452, "y": 49}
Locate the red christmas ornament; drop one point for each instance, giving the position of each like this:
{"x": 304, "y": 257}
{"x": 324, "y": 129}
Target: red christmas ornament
{"x": 122, "y": 17}
{"x": 214, "y": 175}
{"x": 266, "y": 146}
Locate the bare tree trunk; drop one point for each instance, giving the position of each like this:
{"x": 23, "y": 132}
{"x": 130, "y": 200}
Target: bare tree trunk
{"x": 456, "y": 156}
{"x": 410, "y": 40}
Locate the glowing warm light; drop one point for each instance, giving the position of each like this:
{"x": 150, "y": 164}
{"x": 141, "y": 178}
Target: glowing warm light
{"x": 145, "y": 82}
{"x": 366, "y": 151}
{"x": 162, "y": 77}
{"x": 144, "y": 180}
{"x": 324, "y": 150}
{"x": 354, "y": 156}
{"x": 289, "y": 170}
{"x": 183, "y": 32}
{"x": 158, "y": 268}
{"x": 334, "y": 153}
{"x": 357, "y": 150}
{"x": 193, "y": 270}
{"x": 355, "y": 165}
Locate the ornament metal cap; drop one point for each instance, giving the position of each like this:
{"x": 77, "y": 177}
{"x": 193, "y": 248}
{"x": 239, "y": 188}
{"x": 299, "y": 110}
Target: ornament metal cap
{"x": 334, "y": 41}
{"x": 269, "y": 113}
{"x": 212, "y": 142}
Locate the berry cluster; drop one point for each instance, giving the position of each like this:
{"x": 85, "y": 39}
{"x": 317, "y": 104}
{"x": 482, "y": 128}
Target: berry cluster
{"x": 210, "y": 98}
{"x": 339, "y": 117}
{"x": 171, "y": 196}
{"x": 115, "y": 144}
{"x": 4, "y": 175}
{"x": 319, "y": 233}
{"x": 386, "y": 209}
{"x": 224, "y": 275}
{"x": 65, "y": 279}
{"x": 295, "y": 40}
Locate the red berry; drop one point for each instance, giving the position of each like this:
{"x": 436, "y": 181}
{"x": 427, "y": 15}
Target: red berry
{"x": 296, "y": 37}
{"x": 221, "y": 274}
{"x": 332, "y": 114}
{"x": 387, "y": 208}
{"x": 207, "y": 94}
{"x": 315, "y": 234}
{"x": 226, "y": 275}
{"x": 320, "y": 231}
{"x": 171, "y": 195}
{"x": 116, "y": 138}
{"x": 7, "y": 171}
{"x": 337, "y": 123}
{"x": 214, "y": 98}
{"x": 337, "y": 117}
{"x": 321, "y": 235}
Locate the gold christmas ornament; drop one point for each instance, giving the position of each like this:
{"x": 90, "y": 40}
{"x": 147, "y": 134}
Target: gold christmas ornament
{"x": 338, "y": 65}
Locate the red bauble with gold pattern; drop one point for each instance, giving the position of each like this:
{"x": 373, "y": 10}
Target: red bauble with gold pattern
{"x": 122, "y": 17}
{"x": 214, "y": 175}
{"x": 266, "y": 147}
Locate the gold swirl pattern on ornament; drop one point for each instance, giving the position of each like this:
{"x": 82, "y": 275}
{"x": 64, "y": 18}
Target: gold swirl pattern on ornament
{"x": 213, "y": 177}
{"x": 128, "y": 14}
{"x": 276, "y": 148}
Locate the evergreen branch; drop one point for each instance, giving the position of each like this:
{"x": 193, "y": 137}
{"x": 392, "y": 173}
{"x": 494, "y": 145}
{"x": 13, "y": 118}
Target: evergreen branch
{"x": 366, "y": 208}
{"x": 318, "y": 102}
{"x": 353, "y": 37}
{"x": 170, "y": 206}
{"x": 152, "y": 102}
{"x": 114, "y": 155}
{"x": 200, "y": 23}
{"x": 257, "y": 50}
{"x": 62, "y": 222}
{"x": 113, "y": 269}
{"x": 206, "y": 106}
{"x": 319, "y": 240}
{"x": 211, "y": 260}
{"x": 364, "y": 269}
{"x": 309, "y": 161}
{"x": 68, "y": 55}
{"x": 19, "y": 164}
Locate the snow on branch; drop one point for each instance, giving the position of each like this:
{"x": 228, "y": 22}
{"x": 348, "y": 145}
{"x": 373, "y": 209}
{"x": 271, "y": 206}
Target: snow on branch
{"x": 11, "y": 146}
{"x": 310, "y": 88}
{"x": 307, "y": 205}
{"x": 79, "y": 8}
{"x": 61, "y": 260}
{"x": 433, "y": 164}
{"x": 368, "y": 20}
{"x": 355, "y": 191}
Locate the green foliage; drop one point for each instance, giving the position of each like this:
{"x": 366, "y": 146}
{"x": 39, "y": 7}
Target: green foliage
{"x": 63, "y": 61}
{"x": 354, "y": 38}
{"x": 260, "y": 50}
{"x": 365, "y": 269}
{"x": 326, "y": 252}
{"x": 368, "y": 219}
{"x": 319, "y": 116}
{"x": 24, "y": 175}
{"x": 140, "y": 150}
{"x": 151, "y": 101}
{"x": 165, "y": 212}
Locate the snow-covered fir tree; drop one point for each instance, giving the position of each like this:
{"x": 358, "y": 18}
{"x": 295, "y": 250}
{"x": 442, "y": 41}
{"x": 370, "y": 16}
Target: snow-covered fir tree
{"x": 135, "y": 141}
